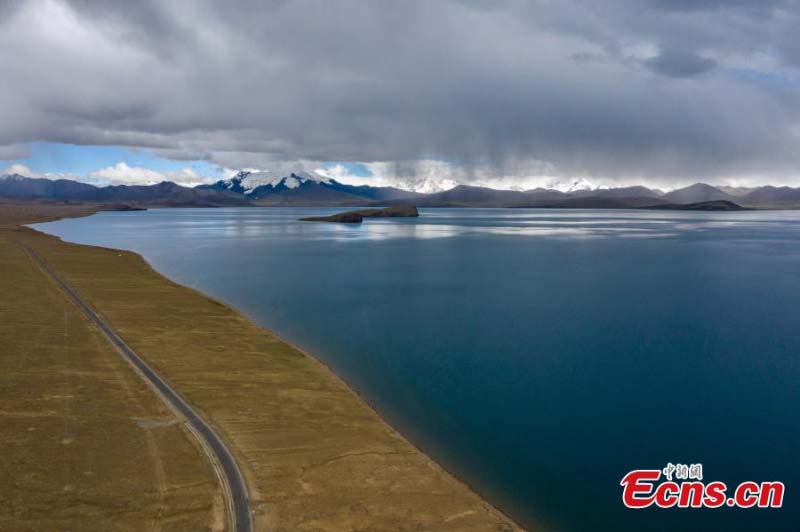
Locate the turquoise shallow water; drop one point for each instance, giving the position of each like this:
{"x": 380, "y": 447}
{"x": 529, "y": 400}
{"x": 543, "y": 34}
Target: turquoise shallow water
{"x": 538, "y": 354}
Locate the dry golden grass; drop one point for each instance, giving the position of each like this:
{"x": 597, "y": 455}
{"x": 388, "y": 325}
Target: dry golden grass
{"x": 315, "y": 455}
{"x": 85, "y": 444}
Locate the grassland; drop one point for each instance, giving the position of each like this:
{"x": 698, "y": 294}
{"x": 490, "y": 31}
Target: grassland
{"x": 316, "y": 457}
{"x": 85, "y": 445}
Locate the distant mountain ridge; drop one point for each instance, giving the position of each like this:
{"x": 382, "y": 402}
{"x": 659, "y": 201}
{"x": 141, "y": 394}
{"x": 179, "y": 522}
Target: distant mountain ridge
{"x": 697, "y": 193}
{"x": 312, "y": 189}
{"x": 165, "y": 194}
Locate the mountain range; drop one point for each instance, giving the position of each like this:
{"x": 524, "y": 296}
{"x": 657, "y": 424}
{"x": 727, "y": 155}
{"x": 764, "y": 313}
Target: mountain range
{"x": 305, "y": 188}
{"x": 164, "y": 194}
{"x": 311, "y": 189}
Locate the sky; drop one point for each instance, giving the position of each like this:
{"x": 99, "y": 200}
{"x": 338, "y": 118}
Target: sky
{"x": 504, "y": 93}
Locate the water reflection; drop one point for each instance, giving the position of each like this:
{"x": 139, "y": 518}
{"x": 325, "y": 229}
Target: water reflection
{"x": 258, "y": 223}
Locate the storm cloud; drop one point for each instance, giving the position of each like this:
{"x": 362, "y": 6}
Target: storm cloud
{"x": 655, "y": 91}
{"x": 680, "y": 64}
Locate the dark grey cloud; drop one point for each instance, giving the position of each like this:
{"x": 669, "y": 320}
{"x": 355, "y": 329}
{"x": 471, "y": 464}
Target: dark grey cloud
{"x": 757, "y": 6}
{"x": 588, "y": 57}
{"x": 679, "y": 64}
{"x": 576, "y": 87}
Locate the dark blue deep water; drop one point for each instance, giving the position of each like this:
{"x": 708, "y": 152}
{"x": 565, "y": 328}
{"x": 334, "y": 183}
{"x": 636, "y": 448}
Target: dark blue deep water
{"x": 538, "y": 354}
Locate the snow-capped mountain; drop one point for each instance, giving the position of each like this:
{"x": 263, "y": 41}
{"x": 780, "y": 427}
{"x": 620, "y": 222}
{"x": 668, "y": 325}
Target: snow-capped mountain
{"x": 573, "y": 185}
{"x": 428, "y": 185}
{"x": 246, "y": 182}
{"x": 303, "y": 188}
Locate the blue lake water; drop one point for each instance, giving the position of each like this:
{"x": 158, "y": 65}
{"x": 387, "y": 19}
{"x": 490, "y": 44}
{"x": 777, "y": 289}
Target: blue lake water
{"x": 538, "y": 354}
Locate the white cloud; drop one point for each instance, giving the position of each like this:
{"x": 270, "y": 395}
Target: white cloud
{"x": 430, "y": 175}
{"x": 341, "y": 174}
{"x": 25, "y": 171}
{"x": 228, "y": 173}
{"x": 122, "y": 174}
{"x": 20, "y": 169}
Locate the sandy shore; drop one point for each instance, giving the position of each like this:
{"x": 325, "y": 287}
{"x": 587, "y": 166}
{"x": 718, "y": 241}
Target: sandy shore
{"x": 316, "y": 456}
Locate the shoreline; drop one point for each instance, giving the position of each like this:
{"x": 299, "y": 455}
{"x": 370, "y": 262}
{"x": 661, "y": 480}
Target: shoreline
{"x": 355, "y": 391}
{"x": 358, "y": 395}
{"x": 488, "y": 506}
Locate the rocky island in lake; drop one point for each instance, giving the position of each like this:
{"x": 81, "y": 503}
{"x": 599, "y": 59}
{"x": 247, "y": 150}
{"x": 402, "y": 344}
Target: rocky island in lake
{"x": 716, "y": 205}
{"x": 356, "y": 217}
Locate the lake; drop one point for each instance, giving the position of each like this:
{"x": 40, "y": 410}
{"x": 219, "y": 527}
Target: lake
{"x": 539, "y": 355}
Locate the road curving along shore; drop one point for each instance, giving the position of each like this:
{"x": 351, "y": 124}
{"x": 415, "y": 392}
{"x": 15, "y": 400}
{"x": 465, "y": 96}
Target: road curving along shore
{"x": 233, "y": 484}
